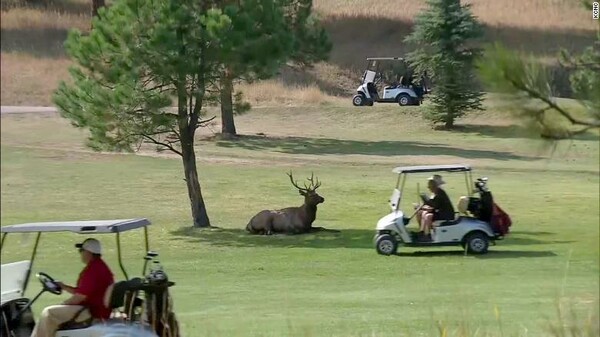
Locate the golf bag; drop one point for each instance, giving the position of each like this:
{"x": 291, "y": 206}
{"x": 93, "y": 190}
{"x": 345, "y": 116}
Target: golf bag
{"x": 501, "y": 221}
{"x": 482, "y": 207}
{"x": 485, "y": 209}
{"x": 159, "y": 304}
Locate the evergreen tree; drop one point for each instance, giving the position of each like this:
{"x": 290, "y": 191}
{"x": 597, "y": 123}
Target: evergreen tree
{"x": 444, "y": 34}
{"x": 143, "y": 57}
{"x": 262, "y": 49}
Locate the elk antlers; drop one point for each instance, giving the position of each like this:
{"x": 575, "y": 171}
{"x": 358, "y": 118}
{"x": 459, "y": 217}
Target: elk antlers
{"x": 312, "y": 187}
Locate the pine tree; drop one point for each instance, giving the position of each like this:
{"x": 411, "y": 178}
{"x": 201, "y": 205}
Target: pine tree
{"x": 444, "y": 34}
{"x": 264, "y": 48}
{"x": 143, "y": 57}
{"x": 525, "y": 84}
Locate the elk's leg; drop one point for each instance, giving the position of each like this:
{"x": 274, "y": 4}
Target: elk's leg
{"x": 269, "y": 226}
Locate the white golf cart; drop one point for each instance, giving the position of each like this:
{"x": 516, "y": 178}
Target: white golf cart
{"x": 399, "y": 90}
{"x": 131, "y": 316}
{"x": 473, "y": 228}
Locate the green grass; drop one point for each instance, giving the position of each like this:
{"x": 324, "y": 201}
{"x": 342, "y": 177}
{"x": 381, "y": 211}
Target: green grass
{"x": 233, "y": 284}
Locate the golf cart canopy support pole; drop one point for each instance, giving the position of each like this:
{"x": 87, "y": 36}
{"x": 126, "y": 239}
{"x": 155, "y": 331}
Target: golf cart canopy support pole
{"x": 147, "y": 250}
{"x": 35, "y": 246}
{"x": 119, "y": 256}
{"x": 470, "y": 188}
{"x": 467, "y": 183}
{"x": 2, "y": 243}
{"x": 401, "y": 178}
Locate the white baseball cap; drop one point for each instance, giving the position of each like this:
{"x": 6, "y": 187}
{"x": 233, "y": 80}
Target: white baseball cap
{"x": 91, "y": 245}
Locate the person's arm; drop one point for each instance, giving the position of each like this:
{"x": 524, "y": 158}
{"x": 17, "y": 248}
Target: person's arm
{"x": 75, "y": 299}
{"x": 85, "y": 287}
{"x": 433, "y": 203}
{"x": 71, "y": 290}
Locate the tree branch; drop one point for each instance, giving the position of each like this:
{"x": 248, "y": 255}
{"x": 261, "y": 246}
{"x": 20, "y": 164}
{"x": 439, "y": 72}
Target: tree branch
{"x": 552, "y": 105}
{"x": 582, "y": 130}
{"x": 167, "y": 145}
{"x": 204, "y": 122}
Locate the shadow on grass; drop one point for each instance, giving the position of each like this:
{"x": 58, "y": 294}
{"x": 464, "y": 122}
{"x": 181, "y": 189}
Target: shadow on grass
{"x": 491, "y": 254}
{"x": 48, "y": 42}
{"x": 323, "y": 146}
{"x": 346, "y": 238}
{"x": 509, "y": 131}
{"x": 531, "y": 233}
{"x": 521, "y": 241}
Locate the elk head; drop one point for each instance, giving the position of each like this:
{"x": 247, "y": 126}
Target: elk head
{"x": 308, "y": 191}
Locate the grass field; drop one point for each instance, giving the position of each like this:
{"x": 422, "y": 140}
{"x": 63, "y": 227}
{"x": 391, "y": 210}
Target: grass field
{"x": 233, "y": 284}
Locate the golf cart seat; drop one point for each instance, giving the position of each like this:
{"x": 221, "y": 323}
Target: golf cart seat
{"x": 117, "y": 295}
{"x": 463, "y": 202}
{"x": 74, "y": 324}
{"x": 452, "y": 222}
{"x": 463, "y": 205}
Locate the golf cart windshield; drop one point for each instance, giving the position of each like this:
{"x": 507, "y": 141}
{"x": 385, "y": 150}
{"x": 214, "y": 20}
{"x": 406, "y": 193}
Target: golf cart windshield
{"x": 17, "y": 274}
{"x": 13, "y": 280}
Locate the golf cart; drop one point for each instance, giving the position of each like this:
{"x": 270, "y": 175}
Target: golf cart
{"x": 131, "y": 316}
{"x": 478, "y": 221}
{"x": 399, "y": 89}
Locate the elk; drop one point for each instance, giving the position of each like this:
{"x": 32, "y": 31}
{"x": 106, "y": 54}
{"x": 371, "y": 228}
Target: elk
{"x": 291, "y": 220}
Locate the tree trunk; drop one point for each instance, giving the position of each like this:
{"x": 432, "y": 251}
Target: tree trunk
{"x": 449, "y": 122}
{"x": 199, "y": 214}
{"x": 227, "y": 122}
{"x": 96, "y": 4}
{"x": 187, "y": 121}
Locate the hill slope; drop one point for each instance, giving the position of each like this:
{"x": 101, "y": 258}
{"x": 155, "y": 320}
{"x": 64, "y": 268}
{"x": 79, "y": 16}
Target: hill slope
{"x": 33, "y": 58}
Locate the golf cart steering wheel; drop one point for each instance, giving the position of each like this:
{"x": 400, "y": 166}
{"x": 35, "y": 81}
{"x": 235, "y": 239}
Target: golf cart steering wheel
{"x": 49, "y": 284}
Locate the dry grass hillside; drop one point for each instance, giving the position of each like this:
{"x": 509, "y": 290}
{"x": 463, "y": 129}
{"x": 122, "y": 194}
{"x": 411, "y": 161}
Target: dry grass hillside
{"x": 33, "y": 59}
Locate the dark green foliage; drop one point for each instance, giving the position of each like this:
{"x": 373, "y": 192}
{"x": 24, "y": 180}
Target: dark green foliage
{"x": 444, "y": 34}
{"x": 137, "y": 59}
{"x": 311, "y": 42}
{"x": 287, "y": 31}
{"x": 141, "y": 58}
{"x": 258, "y": 40}
{"x": 528, "y": 90}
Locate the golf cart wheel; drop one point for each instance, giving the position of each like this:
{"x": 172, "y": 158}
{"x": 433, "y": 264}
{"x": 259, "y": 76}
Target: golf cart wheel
{"x": 476, "y": 243}
{"x": 403, "y": 99}
{"x": 358, "y": 100}
{"x": 386, "y": 244}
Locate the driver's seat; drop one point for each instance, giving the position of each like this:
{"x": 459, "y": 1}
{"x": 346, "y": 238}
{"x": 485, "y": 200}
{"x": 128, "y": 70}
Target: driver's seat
{"x": 458, "y": 216}
{"x": 74, "y": 324}
{"x": 119, "y": 294}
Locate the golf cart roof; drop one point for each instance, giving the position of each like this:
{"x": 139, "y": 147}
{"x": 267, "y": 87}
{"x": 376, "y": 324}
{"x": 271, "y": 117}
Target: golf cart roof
{"x": 384, "y": 58}
{"x": 431, "y": 168}
{"x": 81, "y": 227}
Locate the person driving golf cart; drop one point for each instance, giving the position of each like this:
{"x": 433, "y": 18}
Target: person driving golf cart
{"x": 435, "y": 208}
{"x": 87, "y": 297}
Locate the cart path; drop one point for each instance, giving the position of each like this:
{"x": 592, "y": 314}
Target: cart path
{"x": 7, "y": 109}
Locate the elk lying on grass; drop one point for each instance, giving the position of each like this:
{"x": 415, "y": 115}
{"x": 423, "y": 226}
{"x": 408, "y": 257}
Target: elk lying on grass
{"x": 291, "y": 220}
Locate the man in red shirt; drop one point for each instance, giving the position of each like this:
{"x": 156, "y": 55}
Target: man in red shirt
{"x": 87, "y": 297}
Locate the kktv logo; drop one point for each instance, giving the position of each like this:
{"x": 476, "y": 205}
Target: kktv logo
{"x": 595, "y": 10}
